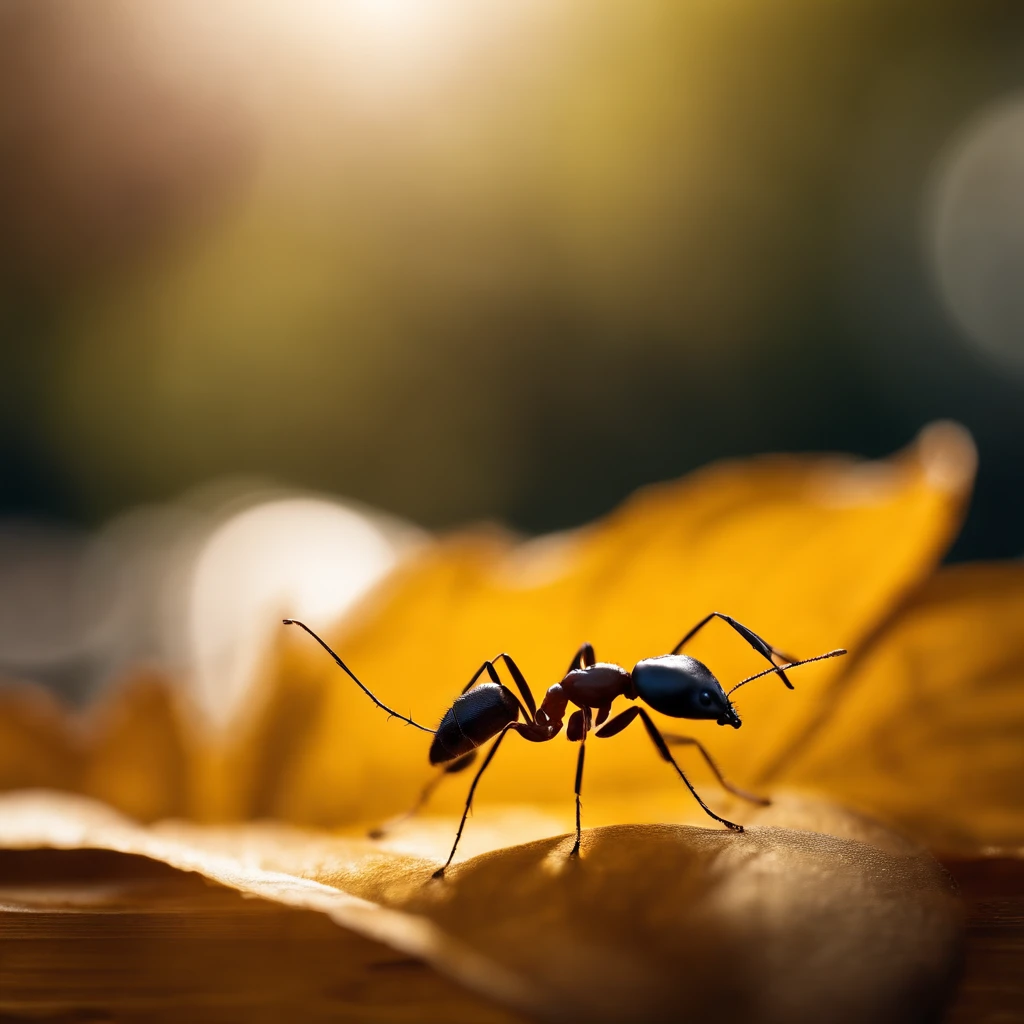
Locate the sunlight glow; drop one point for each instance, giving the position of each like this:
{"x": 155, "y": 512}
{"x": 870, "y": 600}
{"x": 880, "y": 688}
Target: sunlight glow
{"x": 383, "y": 48}
{"x": 300, "y": 557}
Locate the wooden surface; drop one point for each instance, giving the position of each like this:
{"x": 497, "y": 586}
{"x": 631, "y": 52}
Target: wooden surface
{"x": 991, "y": 990}
{"x": 92, "y": 937}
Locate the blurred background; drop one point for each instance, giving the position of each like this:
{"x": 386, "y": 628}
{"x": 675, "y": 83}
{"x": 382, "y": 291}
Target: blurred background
{"x": 469, "y": 259}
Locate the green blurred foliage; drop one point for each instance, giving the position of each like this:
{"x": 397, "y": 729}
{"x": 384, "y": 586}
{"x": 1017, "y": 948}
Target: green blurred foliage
{"x": 584, "y": 247}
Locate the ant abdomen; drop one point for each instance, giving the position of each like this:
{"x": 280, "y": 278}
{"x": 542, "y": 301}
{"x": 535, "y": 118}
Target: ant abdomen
{"x": 473, "y": 719}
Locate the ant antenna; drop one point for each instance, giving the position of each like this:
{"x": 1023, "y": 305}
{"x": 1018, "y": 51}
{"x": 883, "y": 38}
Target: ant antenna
{"x": 793, "y": 664}
{"x": 352, "y": 676}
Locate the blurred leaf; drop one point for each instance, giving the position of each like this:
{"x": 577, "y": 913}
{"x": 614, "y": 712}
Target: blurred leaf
{"x": 139, "y": 761}
{"x": 811, "y": 552}
{"x": 132, "y": 750}
{"x": 771, "y": 925}
{"x": 928, "y": 729}
{"x": 38, "y": 748}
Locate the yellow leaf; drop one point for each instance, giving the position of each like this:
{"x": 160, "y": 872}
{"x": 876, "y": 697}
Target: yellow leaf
{"x": 781, "y": 923}
{"x": 811, "y": 552}
{"x": 38, "y": 747}
{"x": 928, "y": 729}
{"x": 133, "y": 749}
{"x": 139, "y": 759}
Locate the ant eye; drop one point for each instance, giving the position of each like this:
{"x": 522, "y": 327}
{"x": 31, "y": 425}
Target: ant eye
{"x": 705, "y": 698}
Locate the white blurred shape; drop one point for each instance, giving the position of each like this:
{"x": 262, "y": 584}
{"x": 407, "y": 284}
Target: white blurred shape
{"x": 392, "y": 22}
{"x": 77, "y": 611}
{"x": 976, "y": 230}
{"x": 150, "y": 549}
{"x": 305, "y": 558}
{"x": 379, "y": 46}
{"x": 50, "y": 605}
{"x": 387, "y": 54}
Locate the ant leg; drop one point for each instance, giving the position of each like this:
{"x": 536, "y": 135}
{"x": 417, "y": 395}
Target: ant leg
{"x": 460, "y": 764}
{"x": 773, "y": 654}
{"x": 488, "y": 667}
{"x": 383, "y": 829}
{"x": 619, "y": 722}
{"x": 682, "y": 741}
{"x": 579, "y": 785}
{"x": 352, "y": 676}
{"x": 439, "y": 873}
{"x": 579, "y": 779}
{"x": 583, "y": 658}
{"x": 521, "y": 684}
{"x": 517, "y": 677}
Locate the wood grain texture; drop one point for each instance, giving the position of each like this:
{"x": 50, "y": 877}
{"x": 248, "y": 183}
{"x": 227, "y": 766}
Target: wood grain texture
{"x": 91, "y": 936}
{"x": 991, "y": 989}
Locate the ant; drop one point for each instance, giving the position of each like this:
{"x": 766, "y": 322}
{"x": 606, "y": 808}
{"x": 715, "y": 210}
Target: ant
{"x": 674, "y": 684}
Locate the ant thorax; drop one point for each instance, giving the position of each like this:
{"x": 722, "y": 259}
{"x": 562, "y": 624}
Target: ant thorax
{"x": 595, "y": 686}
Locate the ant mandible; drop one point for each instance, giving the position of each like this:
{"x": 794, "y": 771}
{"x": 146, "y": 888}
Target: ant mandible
{"x": 674, "y": 684}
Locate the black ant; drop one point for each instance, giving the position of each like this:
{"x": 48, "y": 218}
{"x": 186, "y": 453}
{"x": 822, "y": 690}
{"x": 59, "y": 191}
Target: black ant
{"x": 674, "y": 684}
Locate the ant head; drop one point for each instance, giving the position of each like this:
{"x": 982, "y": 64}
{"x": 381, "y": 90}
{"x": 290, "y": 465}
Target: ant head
{"x": 683, "y": 687}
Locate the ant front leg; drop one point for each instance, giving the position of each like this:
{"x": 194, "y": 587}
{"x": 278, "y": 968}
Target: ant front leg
{"x": 619, "y": 722}
{"x": 458, "y": 765}
{"x": 765, "y": 649}
{"x": 688, "y": 741}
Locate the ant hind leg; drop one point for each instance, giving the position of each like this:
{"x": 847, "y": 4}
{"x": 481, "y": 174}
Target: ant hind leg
{"x": 439, "y": 873}
{"x": 460, "y": 764}
{"x": 529, "y": 705}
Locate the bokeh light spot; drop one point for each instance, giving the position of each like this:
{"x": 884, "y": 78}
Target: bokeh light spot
{"x": 306, "y": 558}
{"x": 976, "y": 227}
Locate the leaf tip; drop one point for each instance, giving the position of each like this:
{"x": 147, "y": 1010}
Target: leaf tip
{"x": 948, "y": 455}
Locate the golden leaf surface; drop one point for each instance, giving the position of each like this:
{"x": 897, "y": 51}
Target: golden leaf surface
{"x": 928, "y": 730}
{"x": 811, "y": 552}
{"x": 810, "y": 910}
